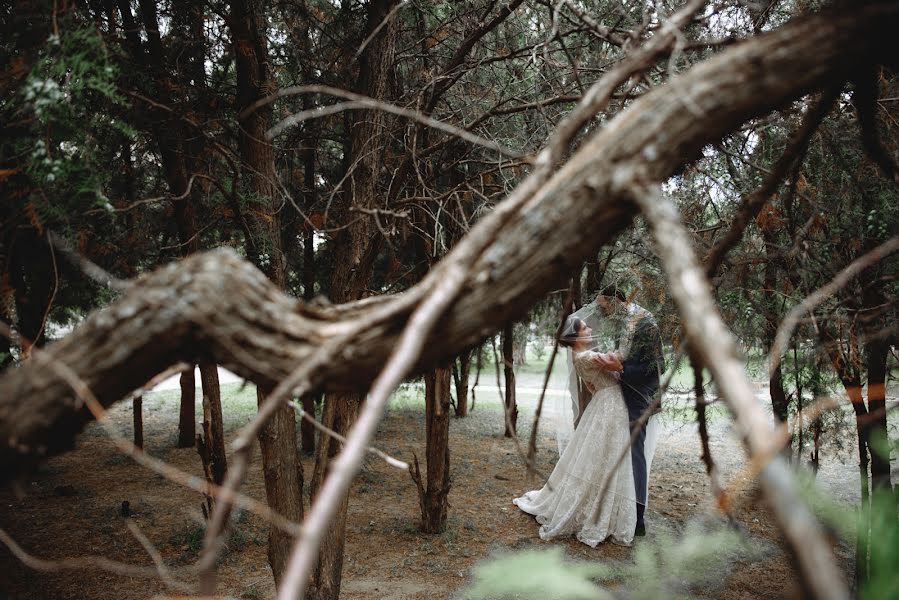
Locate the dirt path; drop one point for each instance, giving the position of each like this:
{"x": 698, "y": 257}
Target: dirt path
{"x": 72, "y": 507}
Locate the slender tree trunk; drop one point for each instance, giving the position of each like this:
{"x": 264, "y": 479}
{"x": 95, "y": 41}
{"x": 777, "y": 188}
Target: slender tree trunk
{"x": 478, "y": 366}
{"x": 356, "y": 248}
{"x": 339, "y": 413}
{"x": 509, "y": 372}
{"x": 844, "y": 363}
{"x": 213, "y": 425}
{"x": 576, "y": 289}
{"x": 773, "y": 313}
{"x": 281, "y": 467}
{"x": 461, "y": 375}
{"x": 876, "y": 352}
{"x": 283, "y": 475}
{"x": 187, "y": 419}
{"x": 433, "y": 499}
{"x": 138, "y": 407}
{"x": 307, "y": 430}
{"x": 32, "y": 281}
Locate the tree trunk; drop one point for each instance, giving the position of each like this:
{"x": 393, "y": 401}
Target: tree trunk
{"x": 461, "y": 375}
{"x": 338, "y": 414}
{"x": 773, "y": 314}
{"x": 187, "y": 418}
{"x": 307, "y": 429}
{"x": 356, "y": 248}
{"x": 521, "y": 351}
{"x": 31, "y": 277}
{"x": 844, "y": 364}
{"x": 283, "y": 474}
{"x": 280, "y": 464}
{"x": 508, "y": 370}
{"x": 137, "y": 406}
{"x": 213, "y": 423}
{"x": 478, "y": 366}
{"x": 876, "y": 352}
{"x": 433, "y": 500}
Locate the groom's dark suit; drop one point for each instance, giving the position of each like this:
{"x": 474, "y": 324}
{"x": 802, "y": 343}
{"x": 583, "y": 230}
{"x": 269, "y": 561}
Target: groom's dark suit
{"x": 639, "y": 385}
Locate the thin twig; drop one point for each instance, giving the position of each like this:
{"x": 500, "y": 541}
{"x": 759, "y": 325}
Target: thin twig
{"x": 358, "y": 101}
{"x": 808, "y": 304}
{"x": 81, "y": 562}
{"x": 393, "y": 462}
{"x": 164, "y": 574}
{"x": 89, "y": 268}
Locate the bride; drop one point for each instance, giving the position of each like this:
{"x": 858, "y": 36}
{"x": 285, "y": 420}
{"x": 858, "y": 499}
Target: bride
{"x": 573, "y": 501}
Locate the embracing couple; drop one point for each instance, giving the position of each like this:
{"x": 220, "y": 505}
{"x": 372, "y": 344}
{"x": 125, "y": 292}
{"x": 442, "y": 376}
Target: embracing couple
{"x": 615, "y": 362}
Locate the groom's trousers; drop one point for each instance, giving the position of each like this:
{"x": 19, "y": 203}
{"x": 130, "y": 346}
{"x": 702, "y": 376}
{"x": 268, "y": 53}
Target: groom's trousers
{"x": 638, "y": 462}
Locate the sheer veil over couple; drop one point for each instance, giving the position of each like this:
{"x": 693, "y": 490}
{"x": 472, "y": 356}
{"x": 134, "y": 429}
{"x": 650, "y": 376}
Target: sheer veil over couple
{"x": 615, "y": 362}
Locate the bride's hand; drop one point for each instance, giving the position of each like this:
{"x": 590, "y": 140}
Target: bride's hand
{"x": 608, "y": 361}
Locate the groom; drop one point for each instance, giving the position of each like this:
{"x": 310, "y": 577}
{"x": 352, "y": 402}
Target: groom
{"x": 639, "y": 376}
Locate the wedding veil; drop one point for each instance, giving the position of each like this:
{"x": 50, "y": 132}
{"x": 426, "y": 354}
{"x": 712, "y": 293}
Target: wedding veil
{"x": 605, "y": 336}
{"x": 610, "y": 331}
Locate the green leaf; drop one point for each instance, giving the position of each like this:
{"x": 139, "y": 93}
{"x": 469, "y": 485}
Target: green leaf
{"x": 537, "y": 574}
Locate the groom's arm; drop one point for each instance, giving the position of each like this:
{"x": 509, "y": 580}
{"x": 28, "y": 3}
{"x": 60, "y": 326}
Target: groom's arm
{"x": 642, "y": 365}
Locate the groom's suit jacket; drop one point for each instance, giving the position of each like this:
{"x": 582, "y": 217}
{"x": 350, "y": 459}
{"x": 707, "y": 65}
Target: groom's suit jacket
{"x": 644, "y": 364}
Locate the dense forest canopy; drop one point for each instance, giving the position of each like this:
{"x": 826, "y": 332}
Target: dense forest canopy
{"x": 332, "y": 197}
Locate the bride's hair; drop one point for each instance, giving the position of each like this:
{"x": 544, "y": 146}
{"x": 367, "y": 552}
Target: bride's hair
{"x": 572, "y": 332}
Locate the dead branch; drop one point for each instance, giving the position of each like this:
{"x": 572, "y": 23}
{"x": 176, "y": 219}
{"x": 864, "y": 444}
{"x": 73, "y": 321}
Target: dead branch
{"x": 212, "y": 305}
{"x": 808, "y": 304}
{"x": 358, "y": 101}
{"x": 715, "y": 346}
{"x": 101, "y": 563}
{"x": 754, "y": 203}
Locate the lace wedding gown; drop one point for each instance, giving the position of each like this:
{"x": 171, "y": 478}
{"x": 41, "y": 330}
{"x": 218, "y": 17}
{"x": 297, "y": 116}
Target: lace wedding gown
{"x": 571, "y": 496}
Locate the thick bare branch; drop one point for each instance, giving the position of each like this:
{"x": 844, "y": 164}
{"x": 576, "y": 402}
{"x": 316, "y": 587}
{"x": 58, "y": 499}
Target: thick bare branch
{"x": 217, "y": 307}
{"x": 716, "y": 347}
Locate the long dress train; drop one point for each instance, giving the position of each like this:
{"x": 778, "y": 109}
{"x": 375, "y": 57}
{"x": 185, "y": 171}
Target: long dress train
{"x": 566, "y": 504}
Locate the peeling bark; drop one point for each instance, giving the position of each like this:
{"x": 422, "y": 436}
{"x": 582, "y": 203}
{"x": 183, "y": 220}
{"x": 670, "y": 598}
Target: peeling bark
{"x": 216, "y": 307}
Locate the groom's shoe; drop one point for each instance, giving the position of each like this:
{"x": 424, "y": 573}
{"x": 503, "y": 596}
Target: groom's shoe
{"x": 640, "y": 531}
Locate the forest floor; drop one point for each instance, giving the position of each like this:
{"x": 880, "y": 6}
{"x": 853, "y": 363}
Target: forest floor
{"x": 71, "y": 507}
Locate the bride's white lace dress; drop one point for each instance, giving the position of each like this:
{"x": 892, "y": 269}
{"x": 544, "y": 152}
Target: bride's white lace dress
{"x": 566, "y": 504}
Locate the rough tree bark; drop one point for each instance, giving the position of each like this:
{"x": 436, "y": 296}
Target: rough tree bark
{"x": 213, "y": 425}
{"x": 339, "y": 413}
{"x": 187, "y": 418}
{"x": 511, "y": 408}
{"x": 137, "y": 405}
{"x": 433, "y": 497}
{"x": 461, "y": 376}
{"x": 282, "y": 470}
{"x": 356, "y": 249}
{"x": 513, "y": 257}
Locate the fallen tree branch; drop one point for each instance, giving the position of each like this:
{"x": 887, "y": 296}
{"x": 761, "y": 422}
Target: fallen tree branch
{"x": 715, "y": 346}
{"x": 209, "y": 305}
{"x": 217, "y": 307}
